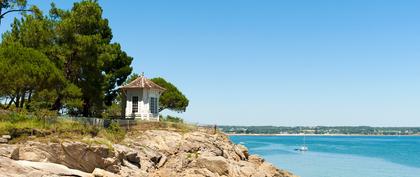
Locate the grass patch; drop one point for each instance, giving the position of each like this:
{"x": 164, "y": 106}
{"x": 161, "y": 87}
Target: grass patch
{"x": 47, "y": 128}
{"x": 21, "y": 126}
{"x": 163, "y": 125}
{"x": 113, "y": 133}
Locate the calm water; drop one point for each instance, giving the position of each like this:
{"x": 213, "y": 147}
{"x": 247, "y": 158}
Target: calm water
{"x": 338, "y": 156}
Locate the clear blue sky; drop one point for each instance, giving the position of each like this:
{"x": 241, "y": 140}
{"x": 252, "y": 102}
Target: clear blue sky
{"x": 291, "y": 62}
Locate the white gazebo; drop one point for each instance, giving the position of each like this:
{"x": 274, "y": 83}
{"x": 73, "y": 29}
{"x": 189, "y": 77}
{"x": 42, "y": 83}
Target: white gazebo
{"x": 141, "y": 99}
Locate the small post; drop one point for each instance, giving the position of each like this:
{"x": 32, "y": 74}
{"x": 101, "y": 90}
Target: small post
{"x": 215, "y": 128}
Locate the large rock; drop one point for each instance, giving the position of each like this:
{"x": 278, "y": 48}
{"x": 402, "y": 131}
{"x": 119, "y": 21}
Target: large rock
{"x": 215, "y": 164}
{"x": 103, "y": 173}
{"x": 3, "y": 140}
{"x": 242, "y": 151}
{"x": 152, "y": 153}
{"x": 255, "y": 159}
{"x": 13, "y": 168}
{"x": 8, "y": 137}
{"x": 53, "y": 168}
{"x": 6, "y": 150}
{"x": 162, "y": 141}
{"x": 75, "y": 155}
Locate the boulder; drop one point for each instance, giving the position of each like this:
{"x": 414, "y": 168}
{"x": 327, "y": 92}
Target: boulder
{"x": 166, "y": 142}
{"x": 255, "y": 159}
{"x": 12, "y": 168}
{"x": 53, "y": 168}
{"x": 6, "y": 150}
{"x": 3, "y": 140}
{"x": 243, "y": 151}
{"x": 133, "y": 158}
{"x": 130, "y": 171}
{"x": 74, "y": 155}
{"x": 162, "y": 161}
{"x": 103, "y": 173}
{"x": 215, "y": 164}
{"x": 8, "y": 137}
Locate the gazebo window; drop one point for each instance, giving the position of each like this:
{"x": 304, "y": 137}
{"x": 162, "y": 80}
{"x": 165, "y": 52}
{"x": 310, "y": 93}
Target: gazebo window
{"x": 153, "y": 105}
{"x": 135, "y": 105}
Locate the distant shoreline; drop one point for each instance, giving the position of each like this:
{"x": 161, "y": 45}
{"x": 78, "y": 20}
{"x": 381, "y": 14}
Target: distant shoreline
{"x": 242, "y": 134}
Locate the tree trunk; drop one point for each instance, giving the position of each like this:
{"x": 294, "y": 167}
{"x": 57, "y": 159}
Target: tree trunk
{"x": 22, "y": 102}
{"x": 57, "y": 103}
{"x": 17, "y": 99}
{"x": 86, "y": 107}
{"x": 1, "y": 10}
{"x": 10, "y": 102}
{"x": 29, "y": 99}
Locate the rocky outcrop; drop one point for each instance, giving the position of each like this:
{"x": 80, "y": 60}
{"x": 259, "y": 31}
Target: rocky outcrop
{"x": 12, "y": 168}
{"x": 150, "y": 153}
{"x": 75, "y": 155}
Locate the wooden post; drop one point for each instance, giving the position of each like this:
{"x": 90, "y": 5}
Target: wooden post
{"x": 215, "y": 128}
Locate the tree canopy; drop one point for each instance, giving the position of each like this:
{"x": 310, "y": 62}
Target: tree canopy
{"x": 172, "y": 98}
{"x": 77, "y": 43}
{"x": 9, "y": 6}
{"x": 24, "y": 70}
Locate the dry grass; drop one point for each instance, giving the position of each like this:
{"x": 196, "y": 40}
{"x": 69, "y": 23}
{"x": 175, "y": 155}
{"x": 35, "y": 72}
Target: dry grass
{"x": 143, "y": 126}
{"x": 23, "y": 127}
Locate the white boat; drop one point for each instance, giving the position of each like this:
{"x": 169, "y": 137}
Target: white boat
{"x": 303, "y": 147}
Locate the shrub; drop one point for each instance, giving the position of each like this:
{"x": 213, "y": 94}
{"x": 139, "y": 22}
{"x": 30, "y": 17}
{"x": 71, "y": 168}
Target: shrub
{"x": 169, "y": 118}
{"x": 113, "y": 111}
{"x": 113, "y": 133}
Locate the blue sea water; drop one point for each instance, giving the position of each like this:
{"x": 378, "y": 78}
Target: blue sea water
{"x": 340, "y": 156}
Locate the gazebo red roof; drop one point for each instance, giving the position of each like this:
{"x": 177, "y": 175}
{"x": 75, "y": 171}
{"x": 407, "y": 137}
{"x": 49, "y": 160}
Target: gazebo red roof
{"x": 142, "y": 82}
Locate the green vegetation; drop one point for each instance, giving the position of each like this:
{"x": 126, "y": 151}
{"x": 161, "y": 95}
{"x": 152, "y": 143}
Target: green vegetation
{"x": 24, "y": 70}
{"x": 322, "y": 130}
{"x": 163, "y": 125}
{"x": 172, "y": 98}
{"x": 61, "y": 61}
{"x": 9, "y": 6}
{"x": 65, "y": 63}
{"x": 22, "y": 126}
{"x": 169, "y": 118}
{"x": 46, "y": 125}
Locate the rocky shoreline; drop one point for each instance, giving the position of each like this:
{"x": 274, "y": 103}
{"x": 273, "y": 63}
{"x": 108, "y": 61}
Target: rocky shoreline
{"x": 162, "y": 153}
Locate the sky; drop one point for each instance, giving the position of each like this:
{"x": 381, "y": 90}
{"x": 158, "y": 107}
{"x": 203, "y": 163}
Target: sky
{"x": 280, "y": 63}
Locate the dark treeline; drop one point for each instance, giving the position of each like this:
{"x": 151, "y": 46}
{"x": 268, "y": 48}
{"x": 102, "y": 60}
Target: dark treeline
{"x": 322, "y": 130}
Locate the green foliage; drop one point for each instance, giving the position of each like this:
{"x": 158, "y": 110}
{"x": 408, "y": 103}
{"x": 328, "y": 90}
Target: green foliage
{"x": 164, "y": 125}
{"x": 169, "y": 118}
{"x": 77, "y": 42}
{"x": 7, "y": 6}
{"x": 91, "y": 61}
{"x": 45, "y": 124}
{"x": 24, "y": 70}
{"x": 22, "y": 67}
{"x": 113, "y": 111}
{"x": 113, "y": 133}
{"x": 172, "y": 98}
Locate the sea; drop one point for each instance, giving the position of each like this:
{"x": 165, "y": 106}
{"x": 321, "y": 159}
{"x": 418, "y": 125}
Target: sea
{"x": 339, "y": 156}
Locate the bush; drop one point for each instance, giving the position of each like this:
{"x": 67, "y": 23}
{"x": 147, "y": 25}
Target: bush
{"x": 113, "y": 133}
{"x": 113, "y": 111}
{"x": 169, "y": 118}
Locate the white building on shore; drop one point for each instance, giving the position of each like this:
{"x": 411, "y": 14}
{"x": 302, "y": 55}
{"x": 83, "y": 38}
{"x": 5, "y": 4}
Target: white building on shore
{"x": 141, "y": 99}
